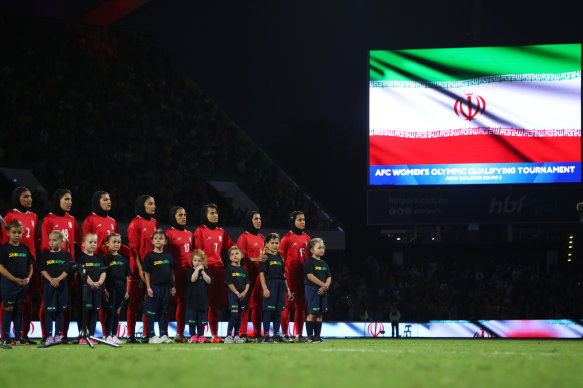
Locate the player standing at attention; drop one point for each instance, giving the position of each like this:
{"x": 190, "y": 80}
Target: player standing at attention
{"x": 95, "y": 269}
{"x": 16, "y": 268}
{"x": 140, "y": 233}
{"x": 158, "y": 267}
{"x": 60, "y": 219}
{"x": 180, "y": 245}
{"x": 54, "y": 270}
{"x": 22, "y": 203}
{"x": 317, "y": 284}
{"x": 251, "y": 244}
{"x": 274, "y": 285}
{"x": 197, "y": 303}
{"x": 294, "y": 248}
{"x": 212, "y": 240}
{"x": 117, "y": 286}
{"x": 237, "y": 282}
{"x": 100, "y": 223}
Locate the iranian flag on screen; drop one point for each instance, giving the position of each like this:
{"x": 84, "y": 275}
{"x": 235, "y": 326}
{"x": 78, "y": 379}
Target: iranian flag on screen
{"x": 475, "y": 105}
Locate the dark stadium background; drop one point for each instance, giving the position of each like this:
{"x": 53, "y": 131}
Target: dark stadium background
{"x": 294, "y": 76}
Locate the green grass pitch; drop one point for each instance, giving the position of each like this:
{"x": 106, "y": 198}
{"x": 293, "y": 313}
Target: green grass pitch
{"x": 338, "y": 363}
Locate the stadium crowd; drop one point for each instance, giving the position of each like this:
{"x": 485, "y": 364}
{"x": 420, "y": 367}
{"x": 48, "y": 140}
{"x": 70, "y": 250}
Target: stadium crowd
{"x": 84, "y": 108}
{"x": 459, "y": 282}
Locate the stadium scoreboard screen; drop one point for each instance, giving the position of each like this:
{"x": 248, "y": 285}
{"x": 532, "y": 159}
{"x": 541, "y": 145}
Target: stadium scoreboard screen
{"x": 471, "y": 116}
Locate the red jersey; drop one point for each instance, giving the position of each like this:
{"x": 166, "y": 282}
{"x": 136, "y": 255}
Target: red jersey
{"x": 251, "y": 245}
{"x": 29, "y": 222}
{"x": 180, "y": 245}
{"x": 294, "y": 250}
{"x": 140, "y": 233}
{"x": 66, "y": 224}
{"x": 102, "y": 227}
{"x": 212, "y": 242}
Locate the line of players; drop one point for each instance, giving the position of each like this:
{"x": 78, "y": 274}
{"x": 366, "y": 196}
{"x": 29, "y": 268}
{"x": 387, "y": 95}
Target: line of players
{"x": 208, "y": 237}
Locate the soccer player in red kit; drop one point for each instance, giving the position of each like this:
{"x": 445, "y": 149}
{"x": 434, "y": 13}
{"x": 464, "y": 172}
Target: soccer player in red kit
{"x": 22, "y": 202}
{"x": 140, "y": 233}
{"x": 251, "y": 244}
{"x": 60, "y": 219}
{"x": 294, "y": 248}
{"x": 180, "y": 244}
{"x": 212, "y": 240}
{"x": 100, "y": 223}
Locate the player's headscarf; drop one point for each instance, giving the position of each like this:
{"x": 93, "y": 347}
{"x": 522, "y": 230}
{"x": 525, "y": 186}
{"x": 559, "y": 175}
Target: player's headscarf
{"x": 204, "y": 220}
{"x": 96, "y": 206}
{"x": 292, "y": 222}
{"x": 140, "y": 206}
{"x": 173, "y": 222}
{"x": 56, "y": 201}
{"x": 16, "y": 193}
{"x": 249, "y": 222}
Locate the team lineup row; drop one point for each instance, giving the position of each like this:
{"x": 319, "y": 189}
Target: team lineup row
{"x": 179, "y": 247}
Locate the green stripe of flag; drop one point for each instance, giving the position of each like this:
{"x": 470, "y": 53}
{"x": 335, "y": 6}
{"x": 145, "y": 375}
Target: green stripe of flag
{"x": 454, "y": 64}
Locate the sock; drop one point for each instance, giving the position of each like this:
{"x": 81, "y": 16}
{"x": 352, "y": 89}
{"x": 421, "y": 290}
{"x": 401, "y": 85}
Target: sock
{"x": 93, "y": 315}
{"x": 256, "y": 318}
{"x": 181, "y": 317}
{"x": 310, "y": 328}
{"x": 276, "y": 323}
{"x": 232, "y": 323}
{"x": 317, "y": 328}
{"x": 162, "y": 323}
{"x": 115, "y": 324}
{"x": 49, "y": 317}
{"x": 285, "y": 315}
{"x": 132, "y": 312}
{"x": 238, "y": 323}
{"x": 244, "y": 323}
{"x": 26, "y": 316}
{"x": 192, "y": 329}
{"x": 146, "y": 327}
{"x": 200, "y": 330}
{"x": 41, "y": 315}
{"x": 17, "y": 321}
{"x": 104, "y": 319}
{"x": 108, "y": 328}
{"x": 150, "y": 322}
{"x": 213, "y": 320}
{"x": 266, "y": 322}
{"x": 66, "y": 320}
{"x": 299, "y": 318}
{"x": 59, "y": 317}
{"x": 1, "y": 323}
{"x": 6, "y": 319}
